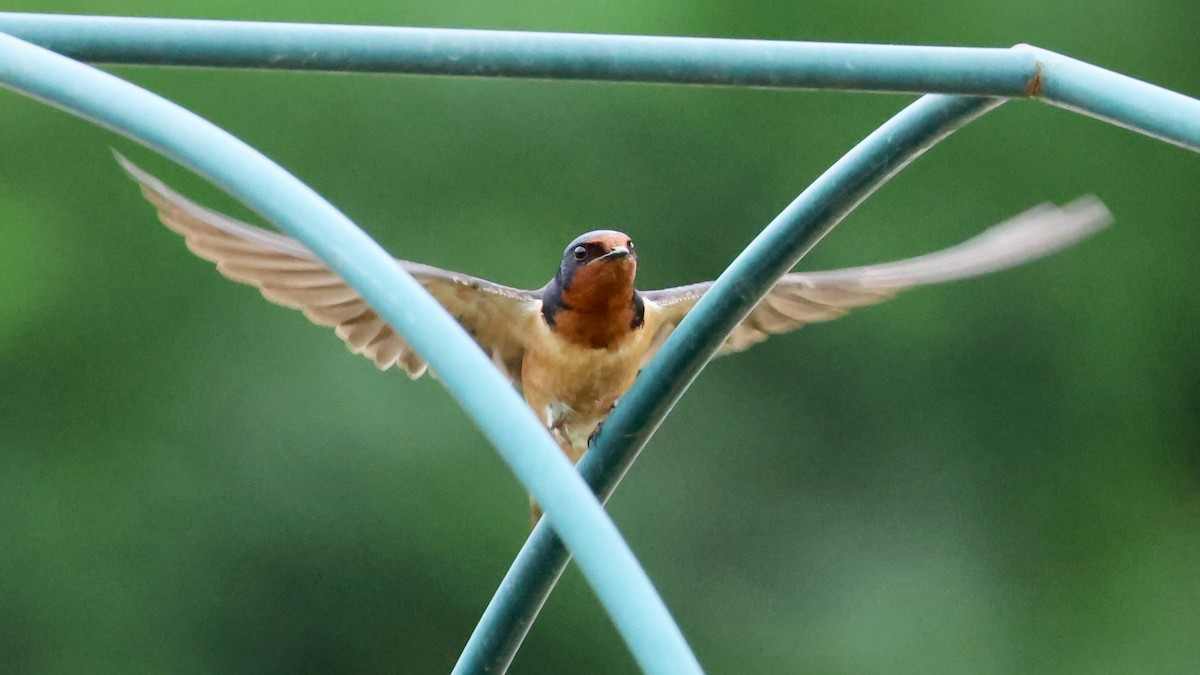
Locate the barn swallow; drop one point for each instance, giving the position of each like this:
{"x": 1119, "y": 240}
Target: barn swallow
{"x": 576, "y": 345}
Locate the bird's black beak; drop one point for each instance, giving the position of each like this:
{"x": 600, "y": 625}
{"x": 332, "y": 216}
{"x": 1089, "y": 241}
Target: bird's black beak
{"x": 617, "y": 252}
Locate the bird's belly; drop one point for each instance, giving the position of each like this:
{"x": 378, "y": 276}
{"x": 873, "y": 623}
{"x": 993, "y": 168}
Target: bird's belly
{"x": 585, "y": 380}
{"x": 574, "y": 387}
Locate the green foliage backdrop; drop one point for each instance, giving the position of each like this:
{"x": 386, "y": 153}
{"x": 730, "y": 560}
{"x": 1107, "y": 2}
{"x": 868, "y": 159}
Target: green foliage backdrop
{"x": 994, "y": 476}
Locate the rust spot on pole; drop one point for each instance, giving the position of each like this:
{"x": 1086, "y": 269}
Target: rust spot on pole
{"x": 1036, "y": 84}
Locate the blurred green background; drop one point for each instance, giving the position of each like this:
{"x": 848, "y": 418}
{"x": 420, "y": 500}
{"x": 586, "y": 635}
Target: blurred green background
{"x": 995, "y": 476}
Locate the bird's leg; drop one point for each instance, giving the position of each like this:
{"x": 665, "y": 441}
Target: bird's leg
{"x": 558, "y": 429}
{"x": 557, "y": 426}
{"x": 596, "y": 432}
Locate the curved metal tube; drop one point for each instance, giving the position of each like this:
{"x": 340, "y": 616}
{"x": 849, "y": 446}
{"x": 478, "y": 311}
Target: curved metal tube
{"x": 776, "y": 250}
{"x": 609, "y": 565}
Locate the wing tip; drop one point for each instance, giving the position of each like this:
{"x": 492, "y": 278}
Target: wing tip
{"x": 138, "y": 174}
{"x": 1090, "y": 212}
{"x": 1047, "y": 228}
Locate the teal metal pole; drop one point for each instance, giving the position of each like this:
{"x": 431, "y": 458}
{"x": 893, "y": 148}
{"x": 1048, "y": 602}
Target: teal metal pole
{"x": 1013, "y": 73}
{"x": 776, "y": 250}
{"x": 493, "y": 53}
{"x": 609, "y": 566}
{"x": 1117, "y": 99}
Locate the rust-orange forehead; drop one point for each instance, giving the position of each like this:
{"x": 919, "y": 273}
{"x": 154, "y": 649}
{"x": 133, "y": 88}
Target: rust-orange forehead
{"x": 606, "y": 238}
{"x": 611, "y": 239}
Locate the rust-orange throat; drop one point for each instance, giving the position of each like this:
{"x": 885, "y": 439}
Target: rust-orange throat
{"x": 591, "y": 301}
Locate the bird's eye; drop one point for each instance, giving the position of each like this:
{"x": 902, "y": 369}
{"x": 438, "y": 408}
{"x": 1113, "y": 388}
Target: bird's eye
{"x": 579, "y": 252}
{"x": 629, "y": 244}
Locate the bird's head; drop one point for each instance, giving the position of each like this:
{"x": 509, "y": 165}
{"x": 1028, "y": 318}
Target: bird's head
{"x": 597, "y": 268}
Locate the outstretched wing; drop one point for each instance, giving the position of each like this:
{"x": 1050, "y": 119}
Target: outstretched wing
{"x": 289, "y": 274}
{"x": 799, "y": 299}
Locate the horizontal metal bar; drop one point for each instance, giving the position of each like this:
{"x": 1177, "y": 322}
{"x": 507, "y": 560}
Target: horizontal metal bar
{"x": 1012, "y": 73}
{"x": 605, "y": 558}
{"x": 1118, "y": 99}
{"x": 490, "y": 53}
{"x": 776, "y": 250}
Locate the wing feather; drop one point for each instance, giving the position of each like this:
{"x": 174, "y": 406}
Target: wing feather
{"x": 287, "y": 273}
{"x": 800, "y": 299}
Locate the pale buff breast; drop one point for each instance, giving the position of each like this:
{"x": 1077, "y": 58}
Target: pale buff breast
{"x": 574, "y": 387}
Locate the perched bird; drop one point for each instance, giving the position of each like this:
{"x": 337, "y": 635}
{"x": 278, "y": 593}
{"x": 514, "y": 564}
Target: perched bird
{"x": 576, "y": 345}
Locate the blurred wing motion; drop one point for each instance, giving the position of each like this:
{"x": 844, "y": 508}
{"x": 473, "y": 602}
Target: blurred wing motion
{"x": 289, "y": 274}
{"x": 799, "y": 299}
